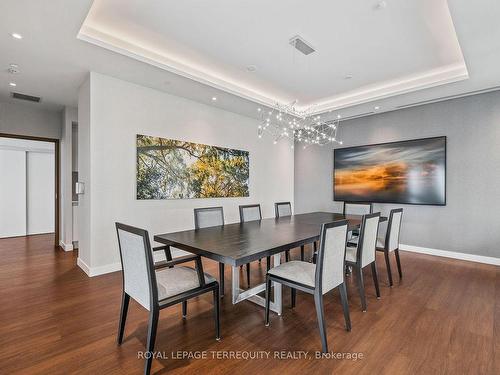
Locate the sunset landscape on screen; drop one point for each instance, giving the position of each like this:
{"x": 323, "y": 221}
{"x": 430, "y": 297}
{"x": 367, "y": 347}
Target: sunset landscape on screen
{"x": 411, "y": 172}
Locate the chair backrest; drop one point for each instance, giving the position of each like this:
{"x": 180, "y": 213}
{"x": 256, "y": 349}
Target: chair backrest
{"x": 331, "y": 255}
{"x": 393, "y": 229}
{"x": 250, "y": 212}
{"x": 139, "y": 278}
{"x": 283, "y": 209}
{"x": 368, "y": 239}
{"x": 357, "y": 208}
{"x": 208, "y": 217}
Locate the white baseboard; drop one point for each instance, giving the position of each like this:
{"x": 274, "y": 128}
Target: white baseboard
{"x": 100, "y": 270}
{"x": 451, "y": 254}
{"x": 66, "y": 246}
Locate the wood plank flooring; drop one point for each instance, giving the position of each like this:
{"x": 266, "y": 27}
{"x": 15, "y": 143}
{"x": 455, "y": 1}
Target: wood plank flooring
{"x": 442, "y": 318}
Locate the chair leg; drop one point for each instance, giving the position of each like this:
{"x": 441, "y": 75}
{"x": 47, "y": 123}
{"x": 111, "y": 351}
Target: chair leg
{"x": 248, "y": 274}
{"x": 375, "y": 278}
{"x": 294, "y": 296}
{"x": 184, "y": 309}
{"x": 268, "y": 263}
{"x": 361, "y": 287}
{"x": 287, "y": 255}
{"x": 318, "y": 301}
{"x": 348, "y": 270}
{"x": 168, "y": 255}
{"x": 217, "y": 313}
{"x": 388, "y": 265}
{"x": 123, "y": 316}
{"x": 345, "y": 306}
{"x": 302, "y": 253}
{"x": 153, "y": 325}
{"x": 398, "y": 261}
{"x": 221, "y": 279}
{"x": 315, "y": 246}
{"x": 268, "y": 301}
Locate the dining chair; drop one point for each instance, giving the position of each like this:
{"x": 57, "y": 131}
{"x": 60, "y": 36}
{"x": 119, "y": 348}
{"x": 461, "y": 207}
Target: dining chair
{"x": 316, "y": 279}
{"x": 282, "y": 209}
{"x": 356, "y": 208}
{"x": 391, "y": 241}
{"x": 252, "y": 212}
{"x": 362, "y": 254}
{"x": 211, "y": 217}
{"x": 160, "y": 285}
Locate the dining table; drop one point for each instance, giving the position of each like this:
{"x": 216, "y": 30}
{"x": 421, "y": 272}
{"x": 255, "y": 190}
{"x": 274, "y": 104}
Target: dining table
{"x": 241, "y": 243}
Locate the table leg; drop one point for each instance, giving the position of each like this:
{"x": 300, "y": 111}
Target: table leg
{"x": 252, "y": 294}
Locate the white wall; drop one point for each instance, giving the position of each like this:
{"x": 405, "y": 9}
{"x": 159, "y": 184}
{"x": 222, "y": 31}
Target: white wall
{"x": 118, "y": 112}
{"x": 27, "y": 119}
{"x": 69, "y": 116}
{"x": 83, "y": 219}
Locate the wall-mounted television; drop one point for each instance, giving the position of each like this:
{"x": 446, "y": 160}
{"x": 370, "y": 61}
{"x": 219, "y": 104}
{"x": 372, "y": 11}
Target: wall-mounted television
{"x": 407, "y": 172}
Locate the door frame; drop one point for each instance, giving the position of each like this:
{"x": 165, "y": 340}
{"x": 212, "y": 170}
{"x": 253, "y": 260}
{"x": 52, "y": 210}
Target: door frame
{"x": 56, "y": 170}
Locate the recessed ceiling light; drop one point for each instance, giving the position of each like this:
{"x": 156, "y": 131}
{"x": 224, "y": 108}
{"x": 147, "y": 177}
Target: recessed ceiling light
{"x": 381, "y": 5}
{"x": 214, "y": 98}
{"x": 14, "y": 66}
{"x": 12, "y": 84}
{"x": 16, "y": 36}
{"x": 376, "y": 108}
{"x": 251, "y": 68}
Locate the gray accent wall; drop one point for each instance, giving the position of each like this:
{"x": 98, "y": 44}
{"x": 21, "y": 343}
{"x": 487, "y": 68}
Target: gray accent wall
{"x": 470, "y": 221}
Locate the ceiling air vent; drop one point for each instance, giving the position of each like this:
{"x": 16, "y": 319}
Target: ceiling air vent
{"x": 303, "y": 46}
{"x": 29, "y": 98}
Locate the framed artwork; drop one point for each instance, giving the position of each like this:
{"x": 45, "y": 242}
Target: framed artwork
{"x": 172, "y": 169}
{"x": 408, "y": 172}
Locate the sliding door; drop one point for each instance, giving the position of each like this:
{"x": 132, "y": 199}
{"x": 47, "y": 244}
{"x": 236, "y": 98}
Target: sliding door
{"x": 40, "y": 192}
{"x": 12, "y": 193}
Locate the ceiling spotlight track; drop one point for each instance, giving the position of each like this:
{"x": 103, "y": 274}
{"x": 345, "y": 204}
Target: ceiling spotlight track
{"x": 288, "y": 123}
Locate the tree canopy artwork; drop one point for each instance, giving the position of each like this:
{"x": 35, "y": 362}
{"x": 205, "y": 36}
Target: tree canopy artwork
{"x": 170, "y": 169}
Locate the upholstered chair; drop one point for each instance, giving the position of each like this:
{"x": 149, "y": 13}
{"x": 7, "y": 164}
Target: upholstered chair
{"x": 211, "y": 217}
{"x": 252, "y": 212}
{"x": 283, "y": 209}
{"x": 362, "y": 254}
{"x": 160, "y": 285}
{"x": 390, "y": 243}
{"x": 316, "y": 279}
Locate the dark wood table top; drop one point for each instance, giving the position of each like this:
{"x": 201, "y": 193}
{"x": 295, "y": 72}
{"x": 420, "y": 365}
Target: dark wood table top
{"x": 241, "y": 243}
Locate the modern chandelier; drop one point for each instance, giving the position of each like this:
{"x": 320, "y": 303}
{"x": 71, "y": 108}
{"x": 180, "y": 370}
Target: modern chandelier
{"x": 286, "y": 122}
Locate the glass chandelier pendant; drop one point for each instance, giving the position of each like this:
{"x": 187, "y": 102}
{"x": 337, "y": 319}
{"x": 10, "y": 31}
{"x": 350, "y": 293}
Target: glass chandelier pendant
{"x": 285, "y": 122}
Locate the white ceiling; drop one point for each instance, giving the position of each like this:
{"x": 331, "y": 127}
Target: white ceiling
{"x": 400, "y": 48}
{"x": 409, "y": 45}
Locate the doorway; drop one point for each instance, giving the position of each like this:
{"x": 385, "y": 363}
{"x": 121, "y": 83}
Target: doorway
{"x": 29, "y": 191}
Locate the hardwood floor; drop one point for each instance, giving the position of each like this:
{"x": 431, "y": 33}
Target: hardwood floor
{"x": 443, "y": 318}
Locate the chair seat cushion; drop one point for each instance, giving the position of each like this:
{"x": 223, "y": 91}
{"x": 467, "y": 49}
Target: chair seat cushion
{"x": 173, "y": 281}
{"x": 297, "y": 271}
